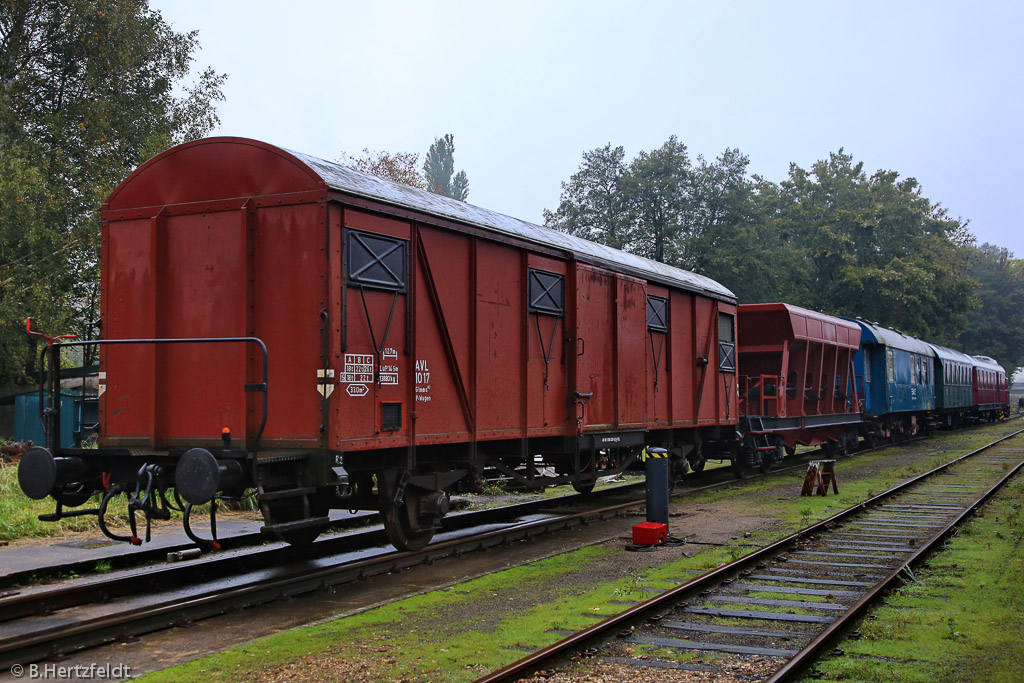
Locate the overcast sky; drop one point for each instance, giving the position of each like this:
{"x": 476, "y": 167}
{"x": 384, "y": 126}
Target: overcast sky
{"x": 929, "y": 89}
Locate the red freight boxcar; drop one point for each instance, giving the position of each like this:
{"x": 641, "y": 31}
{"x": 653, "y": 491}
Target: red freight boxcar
{"x": 364, "y": 344}
{"x": 798, "y": 384}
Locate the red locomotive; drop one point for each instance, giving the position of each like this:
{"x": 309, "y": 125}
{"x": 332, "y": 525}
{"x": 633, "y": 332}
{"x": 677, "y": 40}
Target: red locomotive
{"x": 336, "y": 340}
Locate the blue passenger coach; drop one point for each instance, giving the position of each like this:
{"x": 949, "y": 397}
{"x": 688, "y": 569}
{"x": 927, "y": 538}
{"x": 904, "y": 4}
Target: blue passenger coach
{"x": 898, "y": 375}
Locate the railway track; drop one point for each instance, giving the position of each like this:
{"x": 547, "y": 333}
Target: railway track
{"x": 41, "y": 623}
{"x": 785, "y": 604}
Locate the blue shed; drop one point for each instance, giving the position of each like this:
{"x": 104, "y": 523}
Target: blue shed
{"x": 74, "y": 412}
{"x": 898, "y": 371}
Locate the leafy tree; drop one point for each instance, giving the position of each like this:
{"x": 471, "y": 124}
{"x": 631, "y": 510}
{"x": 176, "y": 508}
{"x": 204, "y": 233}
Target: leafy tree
{"x": 732, "y": 238}
{"x": 460, "y": 186}
{"x": 87, "y": 93}
{"x": 997, "y": 324}
{"x": 831, "y": 238}
{"x": 595, "y": 204}
{"x": 439, "y": 166}
{"x": 402, "y": 167}
{"x": 875, "y": 246}
{"x": 660, "y": 194}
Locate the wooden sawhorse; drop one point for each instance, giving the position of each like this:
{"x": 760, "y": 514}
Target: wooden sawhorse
{"x": 820, "y": 473}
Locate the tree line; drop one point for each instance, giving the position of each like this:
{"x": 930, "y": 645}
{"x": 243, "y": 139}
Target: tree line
{"x": 832, "y": 238}
{"x": 89, "y": 89}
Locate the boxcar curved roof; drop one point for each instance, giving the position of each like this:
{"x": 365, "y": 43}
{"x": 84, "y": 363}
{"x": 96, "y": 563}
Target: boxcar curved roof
{"x": 877, "y": 334}
{"x": 229, "y": 167}
{"x": 347, "y": 180}
{"x": 953, "y": 355}
{"x": 987, "y": 363}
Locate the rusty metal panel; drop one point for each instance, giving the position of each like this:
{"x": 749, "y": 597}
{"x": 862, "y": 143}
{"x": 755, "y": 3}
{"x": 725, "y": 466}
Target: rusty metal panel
{"x": 705, "y": 387}
{"x": 174, "y": 277}
{"x": 201, "y": 292}
{"x": 595, "y": 347}
{"x": 290, "y": 293}
{"x": 126, "y": 401}
{"x": 658, "y": 340}
{"x": 683, "y": 367}
{"x": 444, "y": 277}
{"x": 727, "y": 382}
{"x": 630, "y": 358}
{"x": 499, "y": 341}
{"x": 375, "y": 367}
{"x": 547, "y": 383}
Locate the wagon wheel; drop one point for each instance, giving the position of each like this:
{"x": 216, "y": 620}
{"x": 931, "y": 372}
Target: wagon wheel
{"x": 405, "y": 528}
{"x": 584, "y": 486}
{"x": 400, "y": 530}
{"x": 739, "y": 467}
{"x": 678, "y": 467}
{"x": 744, "y": 461}
{"x": 283, "y": 511}
{"x": 696, "y": 459}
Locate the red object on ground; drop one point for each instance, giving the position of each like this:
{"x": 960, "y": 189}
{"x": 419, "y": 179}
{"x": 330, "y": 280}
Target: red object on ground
{"x": 650, "y": 533}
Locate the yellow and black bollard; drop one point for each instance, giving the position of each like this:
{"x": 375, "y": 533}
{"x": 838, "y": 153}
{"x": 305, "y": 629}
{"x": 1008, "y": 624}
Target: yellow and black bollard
{"x": 656, "y": 468}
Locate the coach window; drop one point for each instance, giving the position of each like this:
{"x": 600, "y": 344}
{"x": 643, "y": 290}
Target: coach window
{"x": 376, "y": 261}
{"x": 891, "y": 365}
{"x": 727, "y": 342}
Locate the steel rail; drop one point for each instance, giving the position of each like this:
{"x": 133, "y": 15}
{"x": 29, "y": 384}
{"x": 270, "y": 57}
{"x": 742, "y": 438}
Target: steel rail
{"x": 66, "y": 638}
{"x": 532, "y": 661}
{"x": 143, "y": 555}
{"x": 27, "y": 604}
{"x": 802, "y": 659}
{"x": 214, "y": 566}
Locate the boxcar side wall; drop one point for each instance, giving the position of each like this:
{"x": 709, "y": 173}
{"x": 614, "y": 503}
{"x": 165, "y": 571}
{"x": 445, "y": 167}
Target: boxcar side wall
{"x": 502, "y": 343}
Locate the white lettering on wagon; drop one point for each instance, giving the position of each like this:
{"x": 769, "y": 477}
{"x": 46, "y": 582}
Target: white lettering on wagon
{"x": 357, "y": 373}
{"x": 357, "y": 390}
{"x": 388, "y": 372}
{"x": 422, "y": 381}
